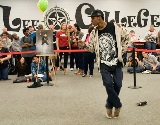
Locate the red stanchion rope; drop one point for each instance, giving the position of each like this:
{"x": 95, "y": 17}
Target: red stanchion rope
{"x": 76, "y": 50}
{"x": 34, "y": 51}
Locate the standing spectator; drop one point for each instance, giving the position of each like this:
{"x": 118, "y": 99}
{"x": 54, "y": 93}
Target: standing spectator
{"x": 6, "y": 42}
{"x": 16, "y": 47}
{"x": 4, "y": 62}
{"x": 151, "y": 39}
{"x": 27, "y": 43}
{"x": 63, "y": 43}
{"x": 109, "y": 41}
{"x": 88, "y": 56}
{"x": 74, "y": 46}
{"x": 9, "y": 35}
{"x": 80, "y": 55}
{"x": 32, "y": 34}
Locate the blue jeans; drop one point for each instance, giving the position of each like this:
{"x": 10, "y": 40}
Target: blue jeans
{"x": 150, "y": 68}
{"x": 151, "y": 46}
{"x": 89, "y": 61}
{"x": 74, "y": 55}
{"x": 138, "y": 69}
{"x": 112, "y": 80}
{"x": 4, "y": 73}
{"x": 42, "y": 79}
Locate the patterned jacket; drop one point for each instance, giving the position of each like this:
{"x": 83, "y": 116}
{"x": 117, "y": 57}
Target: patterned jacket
{"x": 122, "y": 38}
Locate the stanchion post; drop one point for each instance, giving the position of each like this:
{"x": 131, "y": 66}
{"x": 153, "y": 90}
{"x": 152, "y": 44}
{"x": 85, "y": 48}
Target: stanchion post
{"x": 134, "y": 71}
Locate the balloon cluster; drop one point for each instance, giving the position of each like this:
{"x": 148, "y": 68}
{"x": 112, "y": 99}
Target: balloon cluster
{"x": 42, "y": 5}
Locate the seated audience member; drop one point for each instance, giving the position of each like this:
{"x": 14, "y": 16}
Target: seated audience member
{"x": 27, "y": 43}
{"x": 158, "y": 40}
{"x": 134, "y": 38}
{"x": 41, "y": 69}
{"x": 150, "y": 62}
{"x": 4, "y": 62}
{"x": 138, "y": 64}
{"x": 21, "y": 68}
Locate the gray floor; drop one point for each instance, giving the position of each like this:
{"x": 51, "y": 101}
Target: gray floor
{"x": 74, "y": 100}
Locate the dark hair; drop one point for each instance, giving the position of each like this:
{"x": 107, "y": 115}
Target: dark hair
{"x": 112, "y": 21}
{"x": 77, "y": 26}
{"x": 132, "y": 31}
{"x": 90, "y": 29}
{"x": 19, "y": 63}
{"x": 25, "y": 29}
{"x": 35, "y": 56}
{"x": 6, "y": 33}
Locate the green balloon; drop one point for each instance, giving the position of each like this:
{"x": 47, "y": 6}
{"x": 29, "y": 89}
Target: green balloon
{"x": 43, "y": 4}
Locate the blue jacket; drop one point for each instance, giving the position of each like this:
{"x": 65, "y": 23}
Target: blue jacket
{"x": 42, "y": 68}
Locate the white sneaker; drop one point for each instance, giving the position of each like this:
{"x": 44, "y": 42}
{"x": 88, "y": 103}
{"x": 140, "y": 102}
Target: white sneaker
{"x": 71, "y": 69}
{"x": 146, "y": 72}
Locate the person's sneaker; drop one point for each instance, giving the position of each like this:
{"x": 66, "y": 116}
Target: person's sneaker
{"x": 146, "y": 72}
{"x": 109, "y": 113}
{"x": 90, "y": 76}
{"x": 33, "y": 86}
{"x": 71, "y": 69}
{"x": 84, "y": 75}
{"x": 116, "y": 112}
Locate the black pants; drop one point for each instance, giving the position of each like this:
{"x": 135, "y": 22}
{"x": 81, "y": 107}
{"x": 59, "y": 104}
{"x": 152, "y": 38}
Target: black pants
{"x": 65, "y": 56}
{"x": 89, "y": 61}
{"x": 28, "y": 61}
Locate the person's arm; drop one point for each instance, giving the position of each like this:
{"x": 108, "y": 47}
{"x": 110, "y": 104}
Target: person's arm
{"x": 31, "y": 42}
{"x": 129, "y": 61}
{"x": 5, "y": 58}
{"x": 23, "y": 45}
{"x": 138, "y": 61}
{"x": 92, "y": 41}
{"x": 155, "y": 61}
{"x": 57, "y": 39}
{"x": 33, "y": 70}
{"x": 57, "y": 43}
{"x": 148, "y": 35}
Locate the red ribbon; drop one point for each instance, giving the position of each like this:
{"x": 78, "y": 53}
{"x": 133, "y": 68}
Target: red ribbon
{"x": 76, "y": 50}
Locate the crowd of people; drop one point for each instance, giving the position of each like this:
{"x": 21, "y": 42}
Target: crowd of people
{"x": 66, "y": 38}
{"x": 106, "y": 42}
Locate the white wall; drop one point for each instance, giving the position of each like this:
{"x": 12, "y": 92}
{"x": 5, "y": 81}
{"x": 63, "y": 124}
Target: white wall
{"x": 27, "y": 10}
